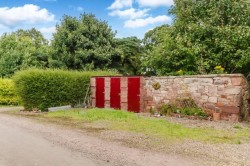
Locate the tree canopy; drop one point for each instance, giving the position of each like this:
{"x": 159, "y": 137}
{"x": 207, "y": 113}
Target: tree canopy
{"x": 82, "y": 43}
{"x": 127, "y": 57}
{"x": 204, "y": 34}
{"x": 22, "y": 49}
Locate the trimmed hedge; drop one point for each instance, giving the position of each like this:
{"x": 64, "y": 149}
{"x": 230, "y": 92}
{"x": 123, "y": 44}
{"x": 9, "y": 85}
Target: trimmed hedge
{"x": 41, "y": 89}
{"x": 7, "y": 93}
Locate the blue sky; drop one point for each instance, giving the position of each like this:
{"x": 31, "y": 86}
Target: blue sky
{"x": 127, "y": 17}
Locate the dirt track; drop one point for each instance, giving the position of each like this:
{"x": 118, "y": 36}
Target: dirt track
{"x": 25, "y": 142}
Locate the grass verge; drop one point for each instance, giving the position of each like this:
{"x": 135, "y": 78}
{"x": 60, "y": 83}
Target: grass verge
{"x": 159, "y": 128}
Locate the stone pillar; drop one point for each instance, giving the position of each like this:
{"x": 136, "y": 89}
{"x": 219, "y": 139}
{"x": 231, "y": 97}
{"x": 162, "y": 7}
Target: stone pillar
{"x": 142, "y": 94}
{"x": 107, "y": 92}
{"x": 93, "y": 91}
{"x": 124, "y": 93}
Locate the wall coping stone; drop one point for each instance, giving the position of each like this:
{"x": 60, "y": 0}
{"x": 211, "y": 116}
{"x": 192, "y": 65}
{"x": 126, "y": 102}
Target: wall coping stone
{"x": 197, "y": 76}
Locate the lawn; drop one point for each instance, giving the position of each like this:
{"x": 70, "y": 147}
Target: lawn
{"x": 153, "y": 127}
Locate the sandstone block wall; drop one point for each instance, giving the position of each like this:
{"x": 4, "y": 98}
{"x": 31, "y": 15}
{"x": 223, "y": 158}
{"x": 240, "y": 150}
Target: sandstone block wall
{"x": 227, "y": 93}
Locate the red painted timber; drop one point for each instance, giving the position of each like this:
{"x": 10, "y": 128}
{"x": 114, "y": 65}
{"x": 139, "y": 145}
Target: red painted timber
{"x": 115, "y": 93}
{"x": 100, "y": 92}
{"x": 134, "y": 94}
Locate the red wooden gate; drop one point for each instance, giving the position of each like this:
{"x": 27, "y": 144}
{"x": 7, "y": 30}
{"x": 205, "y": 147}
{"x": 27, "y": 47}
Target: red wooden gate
{"x": 121, "y": 93}
{"x": 115, "y": 91}
{"x": 100, "y": 92}
{"x": 134, "y": 94}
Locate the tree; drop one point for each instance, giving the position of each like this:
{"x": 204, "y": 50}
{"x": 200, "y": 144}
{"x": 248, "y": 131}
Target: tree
{"x": 22, "y": 49}
{"x": 204, "y": 34}
{"x": 217, "y": 32}
{"x": 165, "y": 55}
{"x": 127, "y": 58}
{"x": 82, "y": 43}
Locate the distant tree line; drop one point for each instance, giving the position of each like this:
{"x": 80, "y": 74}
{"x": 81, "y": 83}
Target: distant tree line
{"x": 205, "y": 37}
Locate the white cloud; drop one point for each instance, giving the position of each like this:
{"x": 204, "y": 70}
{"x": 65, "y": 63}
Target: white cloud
{"x": 79, "y": 9}
{"x": 130, "y": 13}
{"x": 137, "y": 23}
{"x": 47, "y": 30}
{"x": 155, "y": 3}
{"x": 119, "y": 4}
{"x": 27, "y": 14}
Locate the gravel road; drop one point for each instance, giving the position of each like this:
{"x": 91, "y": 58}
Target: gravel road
{"x": 25, "y": 142}
{"x": 29, "y": 142}
{"x": 22, "y": 148}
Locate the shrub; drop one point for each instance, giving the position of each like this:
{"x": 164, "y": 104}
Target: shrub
{"x": 7, "y": 95}
{"x": 41, "y": 89}
{"x": 166, "y": 109}
{"x": 184, "y": 106}
{"x": 187, "y": 106}
{"x": 192, "y": 112}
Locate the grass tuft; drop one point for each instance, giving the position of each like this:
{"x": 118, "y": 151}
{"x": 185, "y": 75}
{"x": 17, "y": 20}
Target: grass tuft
{"x": 237, "y": 127}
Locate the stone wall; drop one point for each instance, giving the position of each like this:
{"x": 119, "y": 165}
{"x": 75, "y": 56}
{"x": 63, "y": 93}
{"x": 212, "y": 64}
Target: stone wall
{"x": 227, "y": 93}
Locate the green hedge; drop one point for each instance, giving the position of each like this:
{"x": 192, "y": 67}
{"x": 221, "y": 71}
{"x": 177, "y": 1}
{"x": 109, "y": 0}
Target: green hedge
{"x": 41, "y": 89}
{"x": 7, "y": 94}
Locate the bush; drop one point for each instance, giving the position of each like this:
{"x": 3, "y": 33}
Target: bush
{"x": 192, "y": 112}
{"x": 166, "y": 109}
{"x": 183, "y": 106}
{"x": 7, "y": 95}
{"x": 41, "y": 89}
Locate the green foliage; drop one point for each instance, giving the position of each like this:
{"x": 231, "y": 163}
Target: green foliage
{"x": 127, "y": 57}
{"x": 180, "y": 72}
{"x": 204, "y": 34}
{"x": 166, "y": 109}
{"x": 219, "y": 70}
{"x": 237, "y": 127}
{"x": 191, "y": 112}
{"x": 151, "y": 111}
{"x": 217, "y": 32}
{"x": 22, "y": 49}
{"x": 7, "y": 94}
{"x": 185, "y": 106}
{"x": 164, "y": 54}
{"x": 82, "y": 43}
{"x": 41, "y": 89}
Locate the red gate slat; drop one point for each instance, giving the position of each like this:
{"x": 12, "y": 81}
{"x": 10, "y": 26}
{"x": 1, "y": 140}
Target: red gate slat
{"x": 115, "y": 98}
{"x": 134, "y": 94}
{"x": 100, "y": 92}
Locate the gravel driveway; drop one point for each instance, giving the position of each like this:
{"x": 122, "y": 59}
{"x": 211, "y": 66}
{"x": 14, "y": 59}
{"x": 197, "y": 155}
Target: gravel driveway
{"x": 24, "y": 142}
